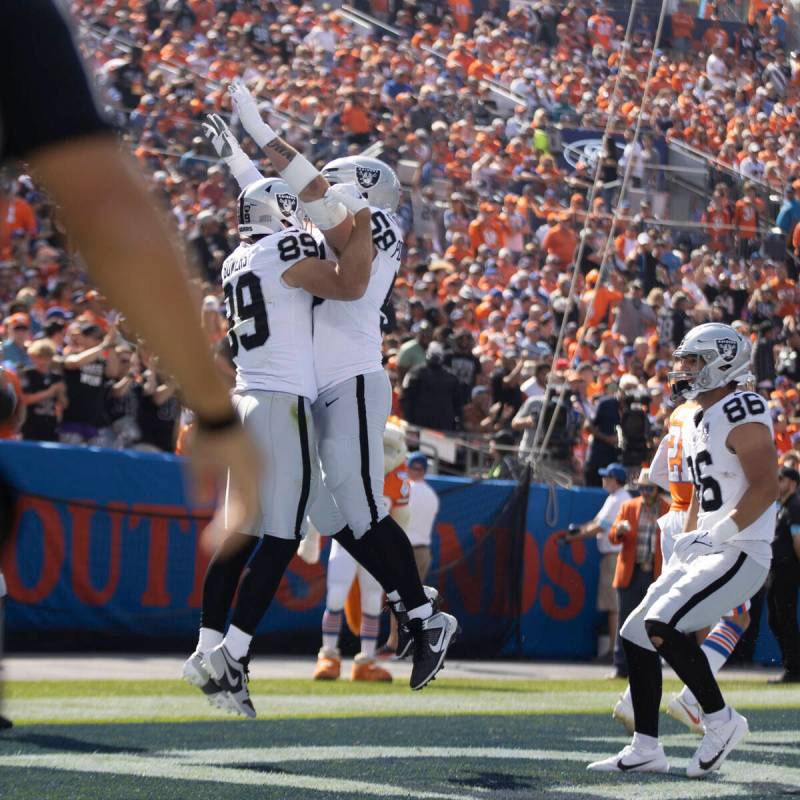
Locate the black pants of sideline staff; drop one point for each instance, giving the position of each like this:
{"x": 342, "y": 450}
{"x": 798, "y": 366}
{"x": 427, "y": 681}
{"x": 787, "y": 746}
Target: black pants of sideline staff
{"x": 782, "y": 612}
{"x": 627, "y": 600}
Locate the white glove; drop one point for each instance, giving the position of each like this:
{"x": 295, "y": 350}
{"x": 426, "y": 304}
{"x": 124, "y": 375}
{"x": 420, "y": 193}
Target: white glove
{"x": 220, "y": 136}
{"x": 693, "y": 544}
{"x": 225, "y": 145}
{"x": 247, "y": 110}
{"x": 346, "y": 195}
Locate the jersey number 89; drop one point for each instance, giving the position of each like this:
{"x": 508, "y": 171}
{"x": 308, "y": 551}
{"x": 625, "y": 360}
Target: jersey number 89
{"x": 245, "y": 302}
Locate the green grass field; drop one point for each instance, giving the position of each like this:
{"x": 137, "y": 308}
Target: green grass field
{"x": 457, "y": 740}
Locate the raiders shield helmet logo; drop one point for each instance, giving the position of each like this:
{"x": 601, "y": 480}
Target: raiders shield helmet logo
{"x": 727, "y": 348}
{"x": 287, "y": 203}
{"x": 367, "y": 177}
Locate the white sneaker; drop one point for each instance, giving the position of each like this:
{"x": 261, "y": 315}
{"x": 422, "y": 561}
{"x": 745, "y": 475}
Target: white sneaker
{"x": 623, "y": 713}
{"x": 719, "y": 740}
{"x": 629, "y": 759}
{"x": 688, "y": 714}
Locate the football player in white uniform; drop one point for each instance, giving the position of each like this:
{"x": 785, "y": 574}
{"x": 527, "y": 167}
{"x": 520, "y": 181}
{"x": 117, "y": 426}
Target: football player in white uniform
{"x": 670, "y": 470}
{"x": 343, "y": 570}
{"x": 719, "y": 562}
{"x": 269, "y": 282}
{"x": 354, "y": 391}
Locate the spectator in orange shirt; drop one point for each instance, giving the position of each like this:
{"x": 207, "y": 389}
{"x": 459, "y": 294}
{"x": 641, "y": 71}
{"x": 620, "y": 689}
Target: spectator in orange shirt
{"x": 785, "y": 291}
{"x": 356, "y": 120}
{"x": 717, "y": 221}
{"x": 462, "y": 13}
{"x": 682, "y": 29}
{"x": 458, "y": 250}
{"x": 600, "y": 29}
{"x": 561, "y": 241}
{"x": 459, "y": 60}
{"x": 606, "y": 298}
{"x": 745, "y": 218}
{"x": 487, "y": 229}
{"x": 715, "y": 35}
{"x": 16, "y": 219}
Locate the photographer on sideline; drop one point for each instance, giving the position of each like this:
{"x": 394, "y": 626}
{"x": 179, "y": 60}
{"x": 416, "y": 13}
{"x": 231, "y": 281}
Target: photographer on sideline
{"x": 614, "y": 477}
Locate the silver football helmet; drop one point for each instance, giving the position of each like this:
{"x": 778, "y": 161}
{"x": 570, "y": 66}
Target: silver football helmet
{"x": 724, "y": 355}
{"x": 376, "y": 181}
{"x": 268, "y": 206}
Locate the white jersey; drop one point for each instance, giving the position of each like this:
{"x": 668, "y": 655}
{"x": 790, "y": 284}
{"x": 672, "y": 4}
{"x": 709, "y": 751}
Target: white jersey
{"x": 347, "y": 334}
{"x": 270, "y": 322}
{"x": 717, "y": 473}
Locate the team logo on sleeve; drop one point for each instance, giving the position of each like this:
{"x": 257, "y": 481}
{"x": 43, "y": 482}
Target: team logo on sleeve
{"x": 287, "y": 203}
{"x": 367, "y": 177}
{"x": 727, "y": 348}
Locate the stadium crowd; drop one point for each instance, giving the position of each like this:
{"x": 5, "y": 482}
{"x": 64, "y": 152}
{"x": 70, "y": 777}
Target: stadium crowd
{"x": 494, "y": 221}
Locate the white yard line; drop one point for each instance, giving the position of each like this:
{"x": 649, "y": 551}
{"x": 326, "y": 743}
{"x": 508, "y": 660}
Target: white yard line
{"x": 130, "y": 666}
{"x": 737, "y": 777}
{"x": 166, "y": 707}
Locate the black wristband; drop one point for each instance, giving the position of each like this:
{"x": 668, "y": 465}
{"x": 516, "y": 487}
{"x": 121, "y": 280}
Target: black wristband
{"x": 218, "y": 424}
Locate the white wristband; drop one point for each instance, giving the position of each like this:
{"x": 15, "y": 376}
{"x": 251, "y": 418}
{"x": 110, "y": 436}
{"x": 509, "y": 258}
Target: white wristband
{"x": 244, "y": 171}
{"x": 263, "y": 134}
{"x": 724, "y": 530}
{"x": 299, "y": 173}
{"x": 324, "y": 214}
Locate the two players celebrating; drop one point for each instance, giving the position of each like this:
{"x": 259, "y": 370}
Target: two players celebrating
{"x": 304, "y": 313}
{"x": 305, "y": 336}
{"x": 720, "y": 557}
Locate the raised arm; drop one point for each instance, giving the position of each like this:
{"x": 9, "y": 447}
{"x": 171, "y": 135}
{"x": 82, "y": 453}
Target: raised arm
{"x": 303, "y": 177}
{"x": 230, "y": 152}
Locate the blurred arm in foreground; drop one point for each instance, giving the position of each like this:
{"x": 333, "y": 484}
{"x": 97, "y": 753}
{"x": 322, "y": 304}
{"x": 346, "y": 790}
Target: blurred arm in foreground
{"x": 52, "y": 122}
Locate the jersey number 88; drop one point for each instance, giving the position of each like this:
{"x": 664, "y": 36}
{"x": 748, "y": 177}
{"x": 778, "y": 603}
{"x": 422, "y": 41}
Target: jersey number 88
{"x": 245, "y": 302}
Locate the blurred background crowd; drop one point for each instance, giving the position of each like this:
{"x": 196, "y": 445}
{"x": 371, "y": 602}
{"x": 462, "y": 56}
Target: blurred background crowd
{"x": 485, "y": 110}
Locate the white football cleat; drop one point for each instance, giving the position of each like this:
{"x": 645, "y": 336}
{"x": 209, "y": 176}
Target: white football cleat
{"x": 196, "y": 674}
{"x": 719, "y": 740}
{"x": 233, "y": 676}
{"x": 630, "y": 759}
{"x": 623, "y": 713}
{"x": 687, "y": 713}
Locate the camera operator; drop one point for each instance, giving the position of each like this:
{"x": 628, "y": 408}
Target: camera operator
{"x": 603, "y": 441}
{"x": 565, "y": 429}
{"x": 633, "y": 431}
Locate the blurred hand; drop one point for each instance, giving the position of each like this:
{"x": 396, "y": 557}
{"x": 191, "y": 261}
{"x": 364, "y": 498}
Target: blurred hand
{"x": 220, "y": 457}
{"x": 623, "y": 527}
{"x": 112, "y": 337}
